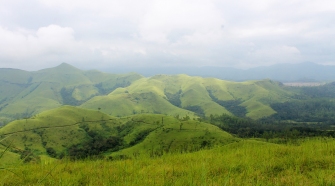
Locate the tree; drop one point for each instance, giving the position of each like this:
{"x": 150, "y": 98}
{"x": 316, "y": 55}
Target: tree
{"x": 51, "y": 152}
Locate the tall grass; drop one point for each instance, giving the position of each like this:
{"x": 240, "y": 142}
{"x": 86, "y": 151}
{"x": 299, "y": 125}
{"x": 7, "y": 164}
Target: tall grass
{"x": 247, "y": 162}
{"x": 3, "y": 162}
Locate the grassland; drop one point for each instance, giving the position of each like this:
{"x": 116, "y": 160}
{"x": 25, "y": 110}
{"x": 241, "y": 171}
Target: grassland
{"x": 56, "y": 131}
{"x": 246, "y": 162}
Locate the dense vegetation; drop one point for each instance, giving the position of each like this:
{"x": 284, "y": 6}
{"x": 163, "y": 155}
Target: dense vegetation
{"x": 310, "y": 104}
{"x": 324, "y": 91}
{"x": 67, "y": 97}
{"x": 269, "y": 129}
{"x": 94, "y": 147}
{"x": 313, "y": 110}
{"x": 232, "y": 106}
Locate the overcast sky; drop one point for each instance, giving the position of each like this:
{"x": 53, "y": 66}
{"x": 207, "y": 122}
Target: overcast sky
{"x": 100, "y": 34}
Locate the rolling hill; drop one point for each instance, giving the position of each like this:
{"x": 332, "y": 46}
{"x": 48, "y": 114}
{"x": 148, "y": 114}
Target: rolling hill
{"x": 67, "y": 131}
{"x": 24, "y": 94}
{"x": 184, "y": 95}
{"x": 68, "y": 112}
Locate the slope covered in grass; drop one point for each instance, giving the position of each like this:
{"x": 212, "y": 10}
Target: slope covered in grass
{"x": 122, "y": 103}
{"x": 23, "y": 94}
{"x": 246, "y": 162}
{"x": 76, "y": 132}
{"x": 202, "y": 96}
{"x": 168, "y": 134}
{"x": 58, "y": 129}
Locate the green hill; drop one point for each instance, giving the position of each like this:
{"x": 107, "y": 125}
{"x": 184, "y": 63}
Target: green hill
{"x": 69, "y": 130}
{"x": 185, "y": 95}
{"x": 24, "y": 94}
{"x": 172, "y": 136}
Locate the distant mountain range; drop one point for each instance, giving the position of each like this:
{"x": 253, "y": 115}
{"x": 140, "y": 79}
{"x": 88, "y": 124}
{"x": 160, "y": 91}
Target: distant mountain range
{"x": 302, "y": 72}
{"x": 24, "y": 94}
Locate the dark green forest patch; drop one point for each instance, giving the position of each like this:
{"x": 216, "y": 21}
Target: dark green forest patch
{"x": 196, "y": 109}
{"x": 104, "y": 89}
{"x": 174, "y": 99}
{"x": 232, "y": 106}
{"x": 66, "y": 94}
{"x": 315, "y": 110}
{"x": 269, "y": 129}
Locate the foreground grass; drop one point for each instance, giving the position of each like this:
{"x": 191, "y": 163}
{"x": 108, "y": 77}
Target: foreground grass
{"x": 247, "y": 162}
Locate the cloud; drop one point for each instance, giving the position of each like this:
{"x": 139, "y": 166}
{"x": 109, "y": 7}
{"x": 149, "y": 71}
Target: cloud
{"x": 106, "y": 33}
{"x": 276, "y": 54}
{"x": 186, "y": 17}
{"x": 49, "y": 44}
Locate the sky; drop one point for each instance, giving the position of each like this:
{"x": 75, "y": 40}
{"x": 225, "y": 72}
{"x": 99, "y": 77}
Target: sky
{"x": 105, "y": 34}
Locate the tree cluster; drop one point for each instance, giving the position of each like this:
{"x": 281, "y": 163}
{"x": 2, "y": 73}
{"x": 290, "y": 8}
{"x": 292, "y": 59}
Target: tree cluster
{"x": 95, "y": 146}
{"x": 314, "y": 110}
{"x": 232, "y": 106}
{"x": 246, "y": 128}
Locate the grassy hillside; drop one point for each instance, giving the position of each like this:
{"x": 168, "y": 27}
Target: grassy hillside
{"x": 183, "y": 95}
{"x": 246, "y": 162}
{"x": 168, "y": 134}
{"x": 57, "y": 129}
{"x": 23, "y": 94}
{"x": 71, "y": 131}
{"x": 122, "y": 103}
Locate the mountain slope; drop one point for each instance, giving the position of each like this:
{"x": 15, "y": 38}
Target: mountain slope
{"x": 183, "y": 95}
{"x": 175, "y": 136}
{"x": 67, "y": 130}
{"x": 24, "y": 94}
